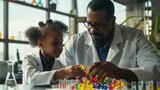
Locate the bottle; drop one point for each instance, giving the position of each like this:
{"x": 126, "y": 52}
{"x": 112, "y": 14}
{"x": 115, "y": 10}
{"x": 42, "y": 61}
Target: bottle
{"x": 40, "y": 3}
{"x": 19, "y": 35}
{"x": 12, "y": 37}
{"x": 53, "y": 4}
{"x": 0, "y": 35}
{"x": 10, "y": 82}
{"x": 34, "y": 2}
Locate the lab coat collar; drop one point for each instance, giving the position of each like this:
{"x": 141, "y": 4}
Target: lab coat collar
{"x": 91, "y": 50}
{"x": 38, "y": 61}
{"x": 116, "y": 40}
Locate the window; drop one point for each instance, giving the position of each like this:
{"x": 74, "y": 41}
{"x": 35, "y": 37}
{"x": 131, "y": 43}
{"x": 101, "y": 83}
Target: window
{"x": 81, "y": 27}
{"x": 82, "y": 6}
{"x": 21, "y": 18}
{"x": 1, "y": 30}
{"x": 120, "y": 12}
{"x": 63, "y": 5}
{"x": 64, "y": 19}
{"x": 1, "y": 20}
{"x": 24, "y": 49}
{"x": 19, "y": 21}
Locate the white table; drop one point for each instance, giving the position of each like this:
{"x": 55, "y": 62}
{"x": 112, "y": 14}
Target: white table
{"x": 28, "y": 87}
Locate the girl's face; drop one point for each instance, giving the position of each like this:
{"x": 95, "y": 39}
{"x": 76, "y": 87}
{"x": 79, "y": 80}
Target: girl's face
{"x": 51, "y": 46}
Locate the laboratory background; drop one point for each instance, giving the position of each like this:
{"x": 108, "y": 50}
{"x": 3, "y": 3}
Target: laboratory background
{"x": 17, "y": 15}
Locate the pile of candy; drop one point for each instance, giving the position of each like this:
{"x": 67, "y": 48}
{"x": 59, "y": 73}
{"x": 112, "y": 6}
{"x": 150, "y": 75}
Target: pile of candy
{"x": 90, "y": 83}
{"x": 93, "y": 83}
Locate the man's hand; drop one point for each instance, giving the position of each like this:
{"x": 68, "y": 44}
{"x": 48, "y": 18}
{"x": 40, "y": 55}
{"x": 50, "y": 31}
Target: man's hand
{"x": 107, "y": 69}
{"x": 103, "y": 69}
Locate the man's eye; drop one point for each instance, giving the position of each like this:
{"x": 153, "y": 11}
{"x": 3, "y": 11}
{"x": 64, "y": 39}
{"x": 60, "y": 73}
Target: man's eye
{"x": 55, "y": 44}
{"x": 98, "y": 25}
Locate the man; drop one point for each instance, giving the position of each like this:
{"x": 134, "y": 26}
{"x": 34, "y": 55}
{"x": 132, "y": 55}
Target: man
{"x": 108, "y": 49}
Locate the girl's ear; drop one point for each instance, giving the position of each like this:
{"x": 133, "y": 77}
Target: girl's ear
{"x": 40, "y": 45}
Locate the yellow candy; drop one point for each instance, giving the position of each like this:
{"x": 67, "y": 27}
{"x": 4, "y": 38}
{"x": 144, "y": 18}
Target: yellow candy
{"x": 90, "y": 85}
{"x": 91, "y": 88}
{"x": 80, "y": 85}
{"x": 115, "y": 86}
{"x": 12, "y": 37}
{"x": 86, "y": 87}
{"x": 121, "y": 84}
{"x": 80, "y": 88}
{"x": 81, "y": 66}
{"x": 0, "y": 35}
{"x": 105, "y": 79}
{"x": 151, "y": 87}
{"x": 86, "y": 82}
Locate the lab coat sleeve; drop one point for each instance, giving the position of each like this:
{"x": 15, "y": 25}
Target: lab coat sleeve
{"x": 32, "y": 73}
{"x": 147, "y": 60}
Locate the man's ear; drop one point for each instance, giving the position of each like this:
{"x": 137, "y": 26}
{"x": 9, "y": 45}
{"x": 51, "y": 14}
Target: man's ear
{"x": 113, "y": 20}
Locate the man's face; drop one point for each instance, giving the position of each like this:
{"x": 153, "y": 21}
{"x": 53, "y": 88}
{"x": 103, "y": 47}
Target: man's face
{"x": 99, "y": 25}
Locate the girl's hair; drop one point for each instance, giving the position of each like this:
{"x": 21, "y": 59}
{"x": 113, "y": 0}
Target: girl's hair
{"x": 35, "y": 33}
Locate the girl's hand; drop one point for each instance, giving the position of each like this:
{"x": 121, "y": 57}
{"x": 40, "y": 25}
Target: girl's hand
{"x": 69, "y": 72}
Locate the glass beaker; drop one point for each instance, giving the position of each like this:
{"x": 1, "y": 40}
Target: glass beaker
{"x": 10, "y": 82}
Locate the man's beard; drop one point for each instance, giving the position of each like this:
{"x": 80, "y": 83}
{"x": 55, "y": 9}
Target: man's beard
{"x": 99, "y": 41}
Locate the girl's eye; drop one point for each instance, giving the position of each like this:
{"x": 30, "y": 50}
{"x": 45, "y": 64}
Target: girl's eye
{"x": 56, "y": 43}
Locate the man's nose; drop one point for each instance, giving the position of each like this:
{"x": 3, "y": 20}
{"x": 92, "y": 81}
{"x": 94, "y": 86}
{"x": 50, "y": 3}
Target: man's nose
{"x": 93, "y": 30}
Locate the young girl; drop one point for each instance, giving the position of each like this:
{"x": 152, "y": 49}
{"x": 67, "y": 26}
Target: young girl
{"x": 43, "y": 68}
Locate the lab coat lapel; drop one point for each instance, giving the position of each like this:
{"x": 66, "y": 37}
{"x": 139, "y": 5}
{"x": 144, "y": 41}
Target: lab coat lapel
{"x": 38, "y": 62}
{"x": 91, "y": 50}
{"x": 116, "y": 40}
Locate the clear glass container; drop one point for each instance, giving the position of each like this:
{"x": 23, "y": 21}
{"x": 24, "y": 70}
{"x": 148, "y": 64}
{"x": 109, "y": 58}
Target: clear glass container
{"x": 10, "y": 82}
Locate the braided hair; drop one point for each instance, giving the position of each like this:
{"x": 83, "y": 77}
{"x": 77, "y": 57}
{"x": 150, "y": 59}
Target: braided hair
{"x": 35, "y": 33}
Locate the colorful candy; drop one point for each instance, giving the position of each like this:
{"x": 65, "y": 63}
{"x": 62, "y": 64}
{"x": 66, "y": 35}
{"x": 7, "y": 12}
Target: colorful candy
{"x": 89, "y": 82}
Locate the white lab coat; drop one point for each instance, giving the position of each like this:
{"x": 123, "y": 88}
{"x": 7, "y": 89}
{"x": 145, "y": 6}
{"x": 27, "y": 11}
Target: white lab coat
{"x": 129, "y": 49}
{"x": 33, "y": 73}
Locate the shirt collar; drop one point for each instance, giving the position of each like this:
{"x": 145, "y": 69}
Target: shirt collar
{"x": 45, "y": 59}
{"x": 108, "y": 41}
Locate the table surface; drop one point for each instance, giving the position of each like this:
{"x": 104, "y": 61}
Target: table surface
{"x": 28, "y": 87}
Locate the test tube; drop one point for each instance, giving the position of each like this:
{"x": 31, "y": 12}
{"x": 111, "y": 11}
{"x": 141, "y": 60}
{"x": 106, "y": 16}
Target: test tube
{"x": 151, "y": 86}
{"x": 128, "y": 86}
{"x": 140, "y": 85}
{"x": 134, "y": 87}
{"x": 147, "y": 85}
{"x": 158, "y": 85}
